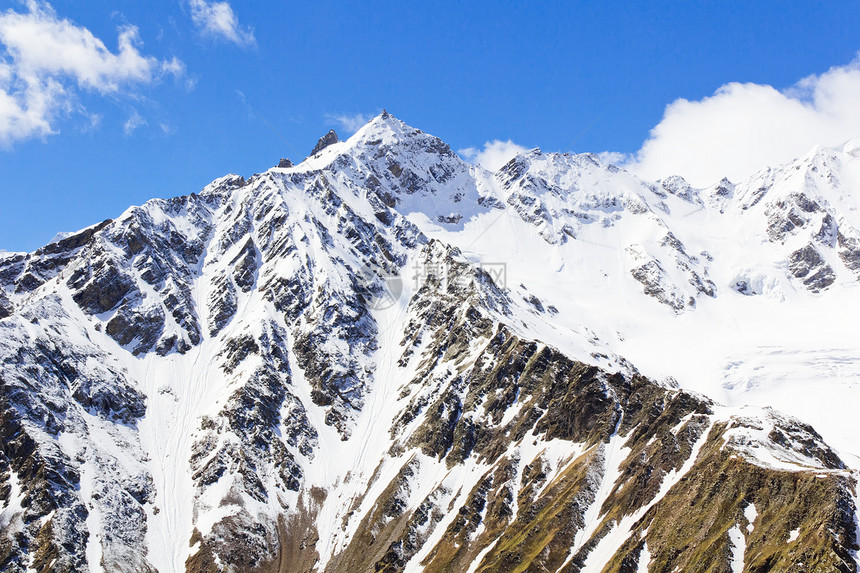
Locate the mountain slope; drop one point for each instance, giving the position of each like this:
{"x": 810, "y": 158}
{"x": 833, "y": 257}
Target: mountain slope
{"x": 384, "y": 358}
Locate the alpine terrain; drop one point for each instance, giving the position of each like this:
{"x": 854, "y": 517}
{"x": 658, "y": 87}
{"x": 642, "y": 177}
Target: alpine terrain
{"x": 386, "y": 359}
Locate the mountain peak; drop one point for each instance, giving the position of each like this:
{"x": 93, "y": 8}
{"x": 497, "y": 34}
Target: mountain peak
{"x": 324, "y": 141}
{"x": 386, "y": 126}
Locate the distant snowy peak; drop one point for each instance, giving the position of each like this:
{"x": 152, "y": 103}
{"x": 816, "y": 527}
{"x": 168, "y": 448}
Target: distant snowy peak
{"x": 560, "y": 193}
{"x": 809, "y": 209}
{"x": 403, "y": 167}
{"x": 832, "y": 174}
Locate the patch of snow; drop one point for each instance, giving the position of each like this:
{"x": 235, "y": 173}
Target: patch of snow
{"x": 614, "y": 455}
{"x": 750, "y": 513}
{"x": 749, "y": 434}
{"x": 512, "y": 411}
{"x": 644, "y": 559}
{"x": 13, "y": 509}
{"x": 473, "y": 566}
{"x": 738, "y": 547}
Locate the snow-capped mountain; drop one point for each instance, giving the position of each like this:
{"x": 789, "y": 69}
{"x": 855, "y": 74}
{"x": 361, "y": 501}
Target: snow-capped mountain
{"x": 386, "y": 359}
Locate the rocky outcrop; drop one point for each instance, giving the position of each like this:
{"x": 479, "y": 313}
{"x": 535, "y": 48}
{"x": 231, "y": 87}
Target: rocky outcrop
{"x": 807, "y": 265}
{"x": 324, "y": 141}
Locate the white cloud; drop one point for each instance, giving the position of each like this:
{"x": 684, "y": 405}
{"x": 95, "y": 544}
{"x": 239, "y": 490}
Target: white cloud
{"x": 218, "y": 20}
{"x": 45, "y": 60}
{"x": 94, "y": 121}
{"x": 134, "y": 121}
{"x": 174, "y": 67}
{"x": 349, "y": 124}
{"x": 613, "y": 157}
{"x": 493, "y": 155}
{"x": 745, "y": 127}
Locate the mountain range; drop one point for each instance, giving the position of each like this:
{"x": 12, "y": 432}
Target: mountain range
{"x": 384, "y": 358}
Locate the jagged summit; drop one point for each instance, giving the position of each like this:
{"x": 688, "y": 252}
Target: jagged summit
{"x": 324, "y": 141}
{"x": 384, "y": 358}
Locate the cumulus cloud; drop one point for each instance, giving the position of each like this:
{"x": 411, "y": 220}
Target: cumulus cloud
{"x": 349, "y": 124}
{"x": 493, "y": 155}
{"x": 218, "y": 20}
{"x": 745, "y": 127}
{"x": 45, "y": 60}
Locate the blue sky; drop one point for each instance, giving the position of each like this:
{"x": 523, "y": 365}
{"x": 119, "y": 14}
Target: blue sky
{"x": 175, "y": 95}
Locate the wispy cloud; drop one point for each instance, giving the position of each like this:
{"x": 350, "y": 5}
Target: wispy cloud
{"x": 218, "y": 20}
{"x": 493, "y": 155}
{"x": 614, "y": 157}
{"x": 134, "y": 121}
{"x": 745, "y": 127}
{"x": 349, "y": 123}
{"x": 46, "y": 60}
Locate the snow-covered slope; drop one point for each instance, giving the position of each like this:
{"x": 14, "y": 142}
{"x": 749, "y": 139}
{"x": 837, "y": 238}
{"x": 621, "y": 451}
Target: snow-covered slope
{"x": 384, "y": 358}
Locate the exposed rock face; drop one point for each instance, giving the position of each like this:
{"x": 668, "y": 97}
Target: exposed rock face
{"x": 849, "y": 250}
{"x": 301, "y": 372}
{"x": 326, "y": 140}
{"x": 807, "y": 265}
{"x": 6, "y": 307}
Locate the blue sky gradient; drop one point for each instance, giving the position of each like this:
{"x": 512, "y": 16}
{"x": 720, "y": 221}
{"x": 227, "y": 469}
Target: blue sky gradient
{"x": 565, "y": 76}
